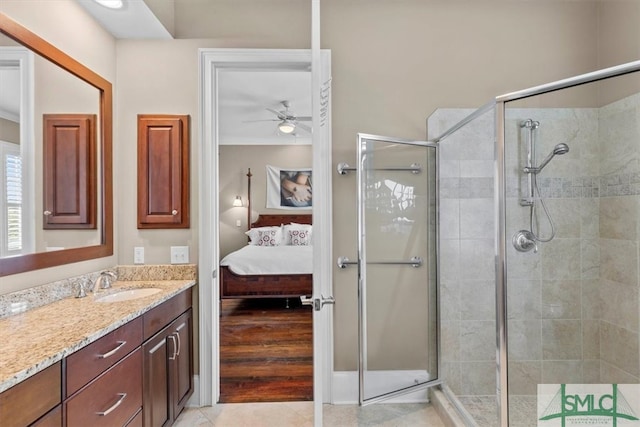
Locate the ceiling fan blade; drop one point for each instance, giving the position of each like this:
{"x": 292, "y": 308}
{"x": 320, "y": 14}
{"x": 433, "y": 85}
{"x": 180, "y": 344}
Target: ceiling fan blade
{"x": 265, "y": 120}
{"x": 304, "y": 118}
{"x": 277, "y": 113}
{"x": 304, "y": 127}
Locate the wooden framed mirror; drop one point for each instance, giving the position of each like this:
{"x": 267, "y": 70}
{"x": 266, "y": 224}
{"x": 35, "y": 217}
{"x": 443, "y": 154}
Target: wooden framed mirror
{"x": 103, "y": 244}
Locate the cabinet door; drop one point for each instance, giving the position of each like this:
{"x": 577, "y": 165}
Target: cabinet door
{"x": 155, "y": 372}
{"x": 182, "y": 363}
{"x": 69, "y": 171}
{"x": 163, "y": 171}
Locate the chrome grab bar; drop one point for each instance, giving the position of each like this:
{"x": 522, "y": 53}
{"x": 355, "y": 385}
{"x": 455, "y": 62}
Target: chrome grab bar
{"x": 415, "y": 168}
{"x": 414, "y": 262}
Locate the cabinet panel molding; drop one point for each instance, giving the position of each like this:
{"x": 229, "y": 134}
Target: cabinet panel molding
{"x": 163, "y": 171}
{"x": 69, "y": 157}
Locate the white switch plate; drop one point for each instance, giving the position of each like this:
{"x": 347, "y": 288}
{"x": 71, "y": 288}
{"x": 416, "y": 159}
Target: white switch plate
{"x": 238, "y": 223}
{"x": 179, "y": 254}
{"x": 138, "y": 255}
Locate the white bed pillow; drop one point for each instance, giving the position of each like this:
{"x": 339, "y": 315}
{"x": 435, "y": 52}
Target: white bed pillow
{"x": 297, "y": 234}
{"x": 265, "y": 236}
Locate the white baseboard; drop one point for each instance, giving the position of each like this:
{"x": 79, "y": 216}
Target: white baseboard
{"x": 345, "y": 386}
{"x": 194, "y": 400}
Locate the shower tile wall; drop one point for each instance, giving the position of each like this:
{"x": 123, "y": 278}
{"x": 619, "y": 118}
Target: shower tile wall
{"x": 574, "y": 306}
{"x": 467, "y": 232}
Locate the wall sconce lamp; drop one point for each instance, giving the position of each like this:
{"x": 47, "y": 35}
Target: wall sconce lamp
{"x": 286, "y": 126}
{"x": 237, "y": 202}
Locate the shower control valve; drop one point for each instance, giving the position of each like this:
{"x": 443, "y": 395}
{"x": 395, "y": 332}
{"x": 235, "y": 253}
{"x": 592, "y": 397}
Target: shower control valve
{"x": 524, "y": 241}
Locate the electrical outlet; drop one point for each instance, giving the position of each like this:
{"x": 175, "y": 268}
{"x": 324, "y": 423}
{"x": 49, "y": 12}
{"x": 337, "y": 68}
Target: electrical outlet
{"x": 138, "y": 255}
{"x": 179, "y": 254}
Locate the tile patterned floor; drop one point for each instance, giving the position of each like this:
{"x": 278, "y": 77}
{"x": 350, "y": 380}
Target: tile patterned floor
{"x": 300, "y": 414}
{"x": 484, "y": 411}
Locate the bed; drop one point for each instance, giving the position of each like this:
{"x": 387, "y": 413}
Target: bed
{"x": 277, "y": 278}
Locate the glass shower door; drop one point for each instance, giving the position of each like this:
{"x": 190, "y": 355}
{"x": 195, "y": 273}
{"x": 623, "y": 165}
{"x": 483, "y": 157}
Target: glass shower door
{"x": 398, "y": 328}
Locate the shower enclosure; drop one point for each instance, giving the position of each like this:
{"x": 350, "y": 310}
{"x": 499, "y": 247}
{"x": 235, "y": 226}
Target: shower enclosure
{"x": 540, "y": 247}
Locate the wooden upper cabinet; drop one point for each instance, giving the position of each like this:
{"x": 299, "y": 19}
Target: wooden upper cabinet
{"x": 69, "y": 171}
{"x": 163, "y": 171}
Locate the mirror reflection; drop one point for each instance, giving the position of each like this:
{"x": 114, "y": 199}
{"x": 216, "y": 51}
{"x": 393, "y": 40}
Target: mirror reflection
{"x": 55, "y": 156}
{"x": 32, "y": 87}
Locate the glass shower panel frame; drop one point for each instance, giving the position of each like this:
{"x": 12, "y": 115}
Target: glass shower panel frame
{"x": 401, "y": 200}
{"x": 506, "y": 210}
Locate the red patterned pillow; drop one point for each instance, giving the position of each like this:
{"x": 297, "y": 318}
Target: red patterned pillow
{"x": 268, "y": 238}
{"x": 299, "y": 237}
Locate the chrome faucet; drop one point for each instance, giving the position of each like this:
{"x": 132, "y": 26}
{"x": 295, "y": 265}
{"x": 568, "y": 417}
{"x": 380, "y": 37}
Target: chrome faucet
{"x": 104, "y": 280}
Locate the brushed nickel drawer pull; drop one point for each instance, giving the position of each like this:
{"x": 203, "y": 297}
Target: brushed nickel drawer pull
{"x": 47, "y": 213}
{"x": 179, "y": 344}
{"x": 112, "y": 352}
{"x": 114, "y": 406}
{"x": 175, "y": 347}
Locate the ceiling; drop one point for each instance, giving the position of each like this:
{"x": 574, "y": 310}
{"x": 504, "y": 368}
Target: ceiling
{"x": 243, "y": 97}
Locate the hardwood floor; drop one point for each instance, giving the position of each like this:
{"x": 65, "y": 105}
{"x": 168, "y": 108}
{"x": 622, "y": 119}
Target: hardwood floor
{"x": 266, "y": 351}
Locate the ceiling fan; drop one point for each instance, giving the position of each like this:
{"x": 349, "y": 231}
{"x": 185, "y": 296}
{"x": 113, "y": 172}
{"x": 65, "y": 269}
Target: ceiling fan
{"x": 289, "y": 122}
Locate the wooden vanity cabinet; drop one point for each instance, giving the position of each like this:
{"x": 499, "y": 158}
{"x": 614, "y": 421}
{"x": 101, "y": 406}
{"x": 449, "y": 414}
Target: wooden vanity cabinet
{"x": 37, "y": 397}
{"x": 139, "y": 374}
{"x": 168, "y": 366}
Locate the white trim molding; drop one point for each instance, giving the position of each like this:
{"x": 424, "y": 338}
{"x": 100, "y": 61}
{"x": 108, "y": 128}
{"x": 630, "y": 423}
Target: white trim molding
{"x": 211, "y": 62}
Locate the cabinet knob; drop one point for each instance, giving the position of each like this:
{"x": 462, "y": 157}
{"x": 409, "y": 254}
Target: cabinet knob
{"x": 47, "y": 213}
{"x": 174, "y": 212}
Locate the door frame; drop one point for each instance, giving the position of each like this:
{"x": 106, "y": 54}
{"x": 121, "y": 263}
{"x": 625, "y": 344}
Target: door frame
{"x": 211, "y": 60}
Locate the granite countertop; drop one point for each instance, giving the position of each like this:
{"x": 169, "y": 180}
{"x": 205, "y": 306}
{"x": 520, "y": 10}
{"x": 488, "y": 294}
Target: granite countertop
{"x": 38, "y": 338}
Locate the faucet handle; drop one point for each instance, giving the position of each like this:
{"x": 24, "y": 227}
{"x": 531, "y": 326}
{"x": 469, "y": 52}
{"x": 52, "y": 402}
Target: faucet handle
{"x": 82, "y": 291}
{"x": 106, "y": 277}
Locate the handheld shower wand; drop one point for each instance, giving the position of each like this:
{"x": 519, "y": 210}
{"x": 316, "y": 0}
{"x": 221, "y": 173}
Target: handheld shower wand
{"x": 558, "y": 150}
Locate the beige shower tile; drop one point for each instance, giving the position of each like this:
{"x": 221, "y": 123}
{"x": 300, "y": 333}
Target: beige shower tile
{"x": 563, "y": 212}
{"x": 524, "y": 377}
{"x": 477, "y": 340}
{"x": 525, "y": 341}
{"x": 478, "y": 378}
{"x": 561, "y": 259}
{"x": 591, "y": 371}
{"x": 590, "y": 339}
{"x": 477, "y": 300}
{"x": 562, "y": 372}
{"x": 591, "y": 302}
{"x": 590, "y": 218}
{"x": 610, "y": 374}
{"x": 477, "y": 218}
{"x": 620, "y": 347}
{"x": 620, "y": 305}
{"x": 523, "y": 299}
{"x": 619, "y": 218}
{"x": 619, "y": 261}
{"x": 561, "y": 299}
{"x": 590, "y": 253}
{"x": 561, "y": 339}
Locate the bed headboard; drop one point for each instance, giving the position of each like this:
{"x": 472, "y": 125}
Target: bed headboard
{"x": 265, "y": 220}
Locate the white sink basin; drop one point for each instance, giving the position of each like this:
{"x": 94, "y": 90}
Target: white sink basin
{"x": 128, "y": 294}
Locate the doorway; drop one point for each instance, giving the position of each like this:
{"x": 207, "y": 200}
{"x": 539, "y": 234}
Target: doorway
{"x": 213, "y": 62}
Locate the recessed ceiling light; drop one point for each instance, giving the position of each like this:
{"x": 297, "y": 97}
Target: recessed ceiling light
{"x": 111, "y": 4}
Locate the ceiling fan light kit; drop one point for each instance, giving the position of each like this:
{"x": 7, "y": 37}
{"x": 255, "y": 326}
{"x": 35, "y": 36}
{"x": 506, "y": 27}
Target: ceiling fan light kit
{"x": 286, "y": 126}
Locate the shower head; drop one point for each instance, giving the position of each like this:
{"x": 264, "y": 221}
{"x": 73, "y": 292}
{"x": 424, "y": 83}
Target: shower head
{"x": 557, "y": 150}
{"x": 560, "y": 149}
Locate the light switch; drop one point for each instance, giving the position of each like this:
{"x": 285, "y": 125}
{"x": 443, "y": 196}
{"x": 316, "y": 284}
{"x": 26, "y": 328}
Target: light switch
{"x": 238, "y": 223}
{"x": 179, "y": 254}
{"x": 138, "y": 255}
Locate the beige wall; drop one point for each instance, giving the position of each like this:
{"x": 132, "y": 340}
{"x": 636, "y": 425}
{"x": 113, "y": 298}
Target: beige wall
{"x": 43, "y": 18}
{"x": 9, "y": 131}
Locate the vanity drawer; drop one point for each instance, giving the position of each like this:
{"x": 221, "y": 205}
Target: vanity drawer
{"x": 112, "y": 399}
{"x": 27, "y": 401}
{"x": 90, "y": 361}
{"x": 160, "y": 316}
